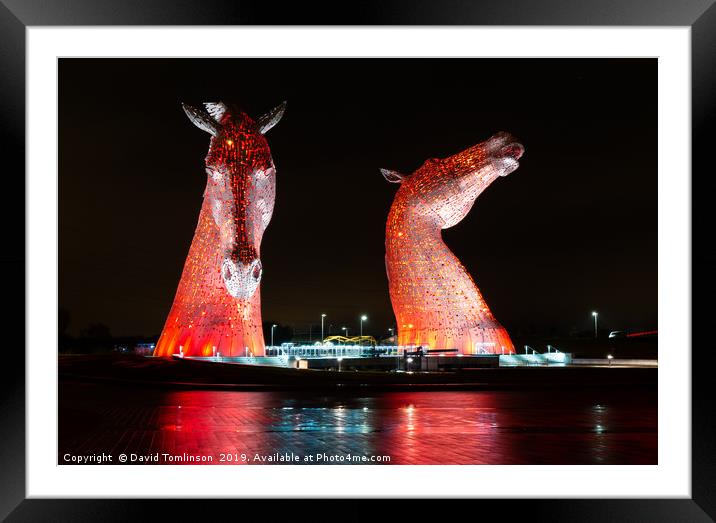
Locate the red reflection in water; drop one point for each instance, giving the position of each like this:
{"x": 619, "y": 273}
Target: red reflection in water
{"x": 492, "y": 427}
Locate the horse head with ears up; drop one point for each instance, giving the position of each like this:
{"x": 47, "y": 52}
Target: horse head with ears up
{"x": 241, "y": 188}
{"x": 217, "y": 307}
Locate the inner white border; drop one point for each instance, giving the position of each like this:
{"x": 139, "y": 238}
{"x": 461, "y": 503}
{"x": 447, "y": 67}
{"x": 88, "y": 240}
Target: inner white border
{"x": 670, "y": 478}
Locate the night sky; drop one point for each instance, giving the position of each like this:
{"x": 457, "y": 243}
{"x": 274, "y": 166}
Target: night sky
{"x": 574, "y": 229}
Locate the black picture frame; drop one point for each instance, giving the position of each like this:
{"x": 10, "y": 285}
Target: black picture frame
{"x": 17, "y": 15}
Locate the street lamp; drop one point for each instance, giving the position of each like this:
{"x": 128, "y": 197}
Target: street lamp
{"x": 346, "y": 330}
{"x": 323, "y": 317}
{"x": 362, "y": 319}
{"x": 272, "y": 328}
{"x": 594, "y": 313}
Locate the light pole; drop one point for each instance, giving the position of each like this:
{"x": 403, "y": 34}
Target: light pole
{"x": 346, "y": 330}
{"x": 362, "y": 319}
{"x": 594, "y": 313}
{"x": 323, "y": 317}
{"x": 272, "y": 328}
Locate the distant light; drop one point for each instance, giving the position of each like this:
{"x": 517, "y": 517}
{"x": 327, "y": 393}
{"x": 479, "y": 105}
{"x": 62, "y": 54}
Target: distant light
{"x": 229, "y": 142}
{"x": 609, "y": 357}
{"x": 410, "y": 360}
{"x": 340, "y": 359}
{"x": 364, "y": 317}
{"x": 594, "y": 313}
{"x": 323, "y": 315}
{"x": 274, "y": 325}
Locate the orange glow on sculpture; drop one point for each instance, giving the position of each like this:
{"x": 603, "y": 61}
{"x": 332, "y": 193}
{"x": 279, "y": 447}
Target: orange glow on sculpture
{"x": 435, "y": 300}
{"x": 217, "y": 307}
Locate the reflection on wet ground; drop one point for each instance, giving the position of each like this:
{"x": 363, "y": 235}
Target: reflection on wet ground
{"x": 586, "y": 426}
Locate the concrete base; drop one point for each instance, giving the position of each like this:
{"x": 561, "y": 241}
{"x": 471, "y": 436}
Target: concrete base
{"x": 616, "y": 362}
{"x": 438, "y": 363}
{"x": 425, "y": 363}
{"x": 347, "y": 364}
{"x": 531, "y": 360}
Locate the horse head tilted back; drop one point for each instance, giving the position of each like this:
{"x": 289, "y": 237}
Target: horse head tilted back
{"x": 444, "y": 191}
{"x": 435, "y": 300}
{"x": 241, "y": 188}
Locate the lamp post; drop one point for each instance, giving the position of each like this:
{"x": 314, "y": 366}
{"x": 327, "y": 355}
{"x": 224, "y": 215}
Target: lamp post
{"x": 323, "y": 317}
{"x": 362, "y": 319}
{"x": 272, "y": 328}
{"x": 346, "y": 330}
{"x": 595, "y": 314}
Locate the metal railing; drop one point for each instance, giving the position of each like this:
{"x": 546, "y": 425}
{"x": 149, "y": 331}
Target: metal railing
{"x": 334, "y": 351}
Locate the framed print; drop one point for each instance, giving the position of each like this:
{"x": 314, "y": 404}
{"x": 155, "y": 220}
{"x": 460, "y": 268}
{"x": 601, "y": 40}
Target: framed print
{"x": 281, "y": 254}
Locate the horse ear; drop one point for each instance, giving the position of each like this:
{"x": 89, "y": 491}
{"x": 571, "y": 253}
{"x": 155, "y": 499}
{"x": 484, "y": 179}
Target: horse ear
{"x": 201, "y": 119}
{"x": 271, "y": 118}
{"x": 392, "y": 176}
{"x": 216, "y": 110}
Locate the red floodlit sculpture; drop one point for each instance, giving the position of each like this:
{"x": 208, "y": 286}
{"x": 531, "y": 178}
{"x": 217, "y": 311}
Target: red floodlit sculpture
{"x": 217, "y": 307}
{"x": 435, "y": 301}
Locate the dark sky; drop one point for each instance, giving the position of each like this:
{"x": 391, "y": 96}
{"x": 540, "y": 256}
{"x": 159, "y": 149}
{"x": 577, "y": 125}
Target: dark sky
{"x": 574, "y": 229}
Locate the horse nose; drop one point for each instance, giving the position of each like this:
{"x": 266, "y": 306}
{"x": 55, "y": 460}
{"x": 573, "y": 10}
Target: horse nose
{"x": 257, "y": 270}
{"x": 241, "y": 278}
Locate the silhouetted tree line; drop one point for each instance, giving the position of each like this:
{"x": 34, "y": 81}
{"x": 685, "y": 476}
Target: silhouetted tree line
{"x": 94, "y": 338}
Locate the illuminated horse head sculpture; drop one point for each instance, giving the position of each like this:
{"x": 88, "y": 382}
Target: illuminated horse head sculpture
{"x": 435, "y": 301}
{"x": 217, "y": 308}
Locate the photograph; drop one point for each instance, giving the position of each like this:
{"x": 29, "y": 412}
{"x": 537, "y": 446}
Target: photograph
{"x": 357, "y": 261}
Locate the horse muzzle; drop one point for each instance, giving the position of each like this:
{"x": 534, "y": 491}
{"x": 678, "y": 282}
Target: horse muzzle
{"x": 241, "y": 279}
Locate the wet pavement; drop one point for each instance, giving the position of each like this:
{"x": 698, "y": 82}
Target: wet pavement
{"x": 575, "y": 426}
